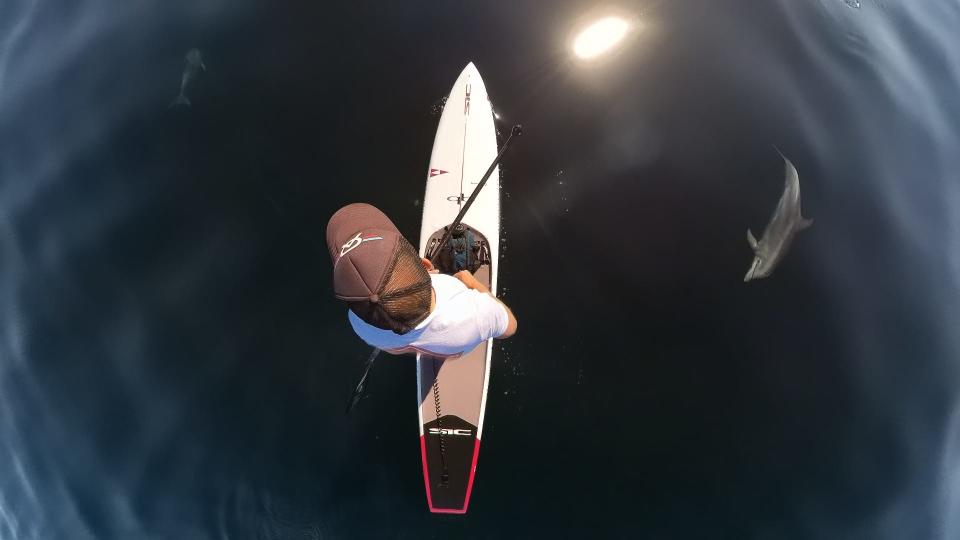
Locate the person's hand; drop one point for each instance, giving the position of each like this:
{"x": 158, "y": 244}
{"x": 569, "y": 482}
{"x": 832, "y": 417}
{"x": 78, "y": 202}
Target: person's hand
{"x": 471, "y": 282}
{"x": 466, "y": 277}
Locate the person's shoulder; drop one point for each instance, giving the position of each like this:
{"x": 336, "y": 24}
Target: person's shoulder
{"x": 444, "y": 279}
{"x": 446, "y": 285}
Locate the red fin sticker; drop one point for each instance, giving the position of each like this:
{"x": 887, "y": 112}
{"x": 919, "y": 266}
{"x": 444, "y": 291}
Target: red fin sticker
{"x": 436, "y": 172}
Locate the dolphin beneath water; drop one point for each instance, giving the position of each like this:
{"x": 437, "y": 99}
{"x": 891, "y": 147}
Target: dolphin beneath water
{"x": 785, "y": 223}
{"x": 192, "y": 66}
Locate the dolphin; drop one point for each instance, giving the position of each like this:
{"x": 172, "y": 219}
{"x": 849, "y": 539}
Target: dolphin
{"x": 785, "y": 223}
{"x": 192, "y": 66}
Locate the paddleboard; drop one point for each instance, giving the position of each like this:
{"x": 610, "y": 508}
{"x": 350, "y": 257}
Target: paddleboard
{"x": 452, "y": 394}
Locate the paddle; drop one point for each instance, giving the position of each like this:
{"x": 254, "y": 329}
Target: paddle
{"x": 362, "y": 383}
{"x": 517, "y": 130}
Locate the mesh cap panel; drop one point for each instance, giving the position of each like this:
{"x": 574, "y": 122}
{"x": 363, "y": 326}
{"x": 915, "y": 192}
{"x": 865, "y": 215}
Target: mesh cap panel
{"x": 403, "y": 298}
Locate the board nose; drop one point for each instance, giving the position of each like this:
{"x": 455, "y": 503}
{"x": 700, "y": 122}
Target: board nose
{"x": 470, "y": 68}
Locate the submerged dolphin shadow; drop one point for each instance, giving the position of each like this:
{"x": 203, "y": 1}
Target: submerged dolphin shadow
{"x": 784, "y": 225}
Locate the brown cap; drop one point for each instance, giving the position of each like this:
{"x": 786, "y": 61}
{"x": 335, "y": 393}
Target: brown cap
{"x": 365, "y": 247}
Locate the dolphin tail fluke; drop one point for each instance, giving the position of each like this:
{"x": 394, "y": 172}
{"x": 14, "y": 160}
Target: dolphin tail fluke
{"x": 803, "y": 224}
{"x": 751, "y": 240}
{"x": 180, "y": 101}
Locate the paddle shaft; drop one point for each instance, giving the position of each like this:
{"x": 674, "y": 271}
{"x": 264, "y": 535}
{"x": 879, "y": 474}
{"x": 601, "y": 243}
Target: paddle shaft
{"x": 517, "y": 130}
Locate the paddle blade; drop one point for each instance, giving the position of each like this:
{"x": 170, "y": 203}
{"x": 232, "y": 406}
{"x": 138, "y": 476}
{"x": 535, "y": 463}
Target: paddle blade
{"x": 360, "y": 389}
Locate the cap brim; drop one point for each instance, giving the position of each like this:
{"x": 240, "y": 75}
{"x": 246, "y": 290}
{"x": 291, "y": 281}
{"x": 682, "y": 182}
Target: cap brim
{"x": 351, "y": 219}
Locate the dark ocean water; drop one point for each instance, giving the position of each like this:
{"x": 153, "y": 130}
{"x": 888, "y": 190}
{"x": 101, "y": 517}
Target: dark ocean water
{"x": 173, "y": 365}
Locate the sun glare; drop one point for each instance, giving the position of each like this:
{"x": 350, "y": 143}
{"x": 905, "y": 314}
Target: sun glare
{"x": 600, "y": 37}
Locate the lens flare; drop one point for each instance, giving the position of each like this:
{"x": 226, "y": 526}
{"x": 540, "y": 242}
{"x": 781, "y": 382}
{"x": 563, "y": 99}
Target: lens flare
{"x": 600, "y": 37}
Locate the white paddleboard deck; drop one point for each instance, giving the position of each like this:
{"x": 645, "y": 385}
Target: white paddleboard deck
{"x": 452, "y": 393}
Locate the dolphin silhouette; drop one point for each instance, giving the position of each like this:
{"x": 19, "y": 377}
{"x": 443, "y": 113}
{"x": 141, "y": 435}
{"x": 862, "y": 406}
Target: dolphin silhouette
{"x": 192, "y": 66}
{"x": 785, "y": 223}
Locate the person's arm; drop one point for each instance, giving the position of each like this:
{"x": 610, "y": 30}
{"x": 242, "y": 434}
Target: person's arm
{"x": 472, "y": 283}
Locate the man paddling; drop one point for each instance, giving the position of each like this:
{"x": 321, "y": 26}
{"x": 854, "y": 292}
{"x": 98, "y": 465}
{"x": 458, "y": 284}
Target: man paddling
{"x": 397, "y": 301}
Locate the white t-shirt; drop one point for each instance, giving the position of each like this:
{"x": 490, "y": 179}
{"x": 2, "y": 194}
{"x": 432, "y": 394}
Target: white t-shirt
{"x": 462, "y": 319}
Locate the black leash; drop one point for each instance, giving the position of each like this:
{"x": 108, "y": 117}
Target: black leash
{"x": 444, "y": 473}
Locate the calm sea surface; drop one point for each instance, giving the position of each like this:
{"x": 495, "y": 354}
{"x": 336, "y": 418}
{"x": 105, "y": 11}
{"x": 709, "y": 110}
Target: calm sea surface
{"x": 173, "y": 364}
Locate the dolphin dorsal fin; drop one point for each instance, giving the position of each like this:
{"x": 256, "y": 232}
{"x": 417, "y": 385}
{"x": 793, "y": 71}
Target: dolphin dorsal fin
{"x": 804, "y": 223}
{"x": 751, "y": 240}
